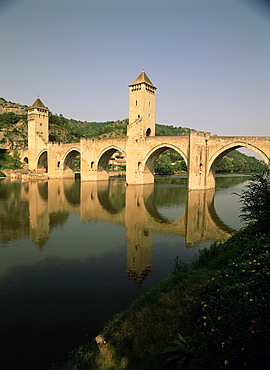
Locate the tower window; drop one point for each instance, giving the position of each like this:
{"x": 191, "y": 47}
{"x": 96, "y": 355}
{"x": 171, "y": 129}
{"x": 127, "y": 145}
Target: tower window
{"x": 149, "y": 104}
{"x": 136, "y": 103}
{"x": 139, "y": 116}
{"x": 148, "y": 132}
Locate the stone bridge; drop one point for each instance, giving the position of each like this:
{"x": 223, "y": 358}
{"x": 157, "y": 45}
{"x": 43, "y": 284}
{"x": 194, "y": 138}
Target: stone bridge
{"x": 201, "y": 151}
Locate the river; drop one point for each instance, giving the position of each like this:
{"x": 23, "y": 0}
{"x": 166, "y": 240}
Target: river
{"x": 72, "y": 254}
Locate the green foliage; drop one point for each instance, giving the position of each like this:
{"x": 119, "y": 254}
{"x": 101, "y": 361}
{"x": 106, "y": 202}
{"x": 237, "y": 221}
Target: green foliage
{"x": 9, "y": 161}
{"x": 7, "y": 120}
{"x": 169, "y": 162}
{"x": 164, "y": 130}
{"x": 232, "y": 311}
{"x": 179, "y": 266}
{"x": 255, "y": 199}
{"x": 236, "y": 161}
{"x": 163, "y": 165}
{"x": 180, "y": 350}
{"x": 106, "y": 129}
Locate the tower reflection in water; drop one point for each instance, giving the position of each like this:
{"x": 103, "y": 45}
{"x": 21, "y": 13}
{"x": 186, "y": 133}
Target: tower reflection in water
{"x": 38, "y": 207}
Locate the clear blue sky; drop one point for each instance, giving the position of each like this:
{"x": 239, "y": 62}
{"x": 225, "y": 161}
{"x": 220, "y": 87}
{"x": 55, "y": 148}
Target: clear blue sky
{"x": 210, "y": 59}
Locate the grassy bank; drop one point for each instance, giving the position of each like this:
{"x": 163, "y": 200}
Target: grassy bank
{"x": 219, "y": 304}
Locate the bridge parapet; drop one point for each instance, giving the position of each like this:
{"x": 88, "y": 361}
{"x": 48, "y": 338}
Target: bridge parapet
{"x": 200, "y": 133}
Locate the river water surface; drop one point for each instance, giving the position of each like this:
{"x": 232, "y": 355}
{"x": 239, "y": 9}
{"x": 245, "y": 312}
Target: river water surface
{"x": 72, "y": 254}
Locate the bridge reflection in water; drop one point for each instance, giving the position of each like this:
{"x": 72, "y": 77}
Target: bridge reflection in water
{"x": 135, "y": 207}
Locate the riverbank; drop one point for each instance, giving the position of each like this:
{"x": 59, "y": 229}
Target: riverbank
{"x": 219, "y": 302}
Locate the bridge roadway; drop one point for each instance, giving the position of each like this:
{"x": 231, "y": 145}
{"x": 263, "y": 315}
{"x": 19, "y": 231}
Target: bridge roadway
{"x": 201, "y": 152}
{"x": 136, "y": 212}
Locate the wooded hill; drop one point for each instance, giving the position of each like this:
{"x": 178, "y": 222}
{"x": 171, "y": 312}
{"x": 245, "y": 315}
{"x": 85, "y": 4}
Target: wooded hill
{"x": 13, "y": 134}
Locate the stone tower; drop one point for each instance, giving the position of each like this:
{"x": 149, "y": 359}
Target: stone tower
{"x": 38, "y": 123}
{"x": 142, "y": 107}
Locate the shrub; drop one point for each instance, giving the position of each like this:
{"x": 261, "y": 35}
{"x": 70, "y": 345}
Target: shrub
{"x": 255, "y": 200}
{"x": 232, "y": 312}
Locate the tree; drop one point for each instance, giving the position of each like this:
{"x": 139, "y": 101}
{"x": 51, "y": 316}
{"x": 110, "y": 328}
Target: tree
{"x": 255, "y": 200}
{"x": 225, "y": 165}
{"x": 9, "y": 161}
{"x": 163, "y": 165}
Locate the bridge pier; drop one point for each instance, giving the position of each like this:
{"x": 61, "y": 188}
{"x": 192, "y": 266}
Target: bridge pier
{"x": 199, "y": 175}
{"x": 136, "y": 170}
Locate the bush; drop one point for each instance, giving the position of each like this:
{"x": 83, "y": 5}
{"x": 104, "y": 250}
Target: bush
{"x": 255, "y": 200}
{"x": 232, "y": 311}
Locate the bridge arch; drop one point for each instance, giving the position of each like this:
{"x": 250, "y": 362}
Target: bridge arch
{"x": 219, "y": 154}
{"x": 214, "y": 160}
{"x": 155, "y": 152}
{"x": 71, "y": 162}
{"x": 42, "y": 161}
{"x": 104, "y": 158}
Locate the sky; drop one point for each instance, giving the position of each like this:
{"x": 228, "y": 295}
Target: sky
{"x": 209, "y": 59}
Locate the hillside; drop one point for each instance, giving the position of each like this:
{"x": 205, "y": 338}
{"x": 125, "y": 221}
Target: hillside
{"x": 8, "y": 106}
{"x": 61, "y": 129}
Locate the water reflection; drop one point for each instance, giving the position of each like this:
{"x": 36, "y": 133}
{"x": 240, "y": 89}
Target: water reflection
{"x": 34, "y": 209}
{"x": 73, "y": 254}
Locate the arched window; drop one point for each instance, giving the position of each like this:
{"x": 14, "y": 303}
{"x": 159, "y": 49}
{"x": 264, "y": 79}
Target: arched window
{"x": 148, "y": 132}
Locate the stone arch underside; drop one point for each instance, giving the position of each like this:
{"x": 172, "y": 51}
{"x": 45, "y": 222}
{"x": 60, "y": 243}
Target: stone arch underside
{"x": 153, "y": 155}
{"x": 103, "y": 161}
{"x": 42, "y": 163}
{"x": 71, "y": 163}
{"x": 215, "y": 159}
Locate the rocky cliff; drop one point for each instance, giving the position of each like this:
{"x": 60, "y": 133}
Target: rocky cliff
{"x": 7, "y": 106}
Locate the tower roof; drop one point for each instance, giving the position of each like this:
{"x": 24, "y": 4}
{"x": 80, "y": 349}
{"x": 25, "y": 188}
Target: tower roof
{"x": 142, "y": 78}
{"x": 38, "y": 104}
